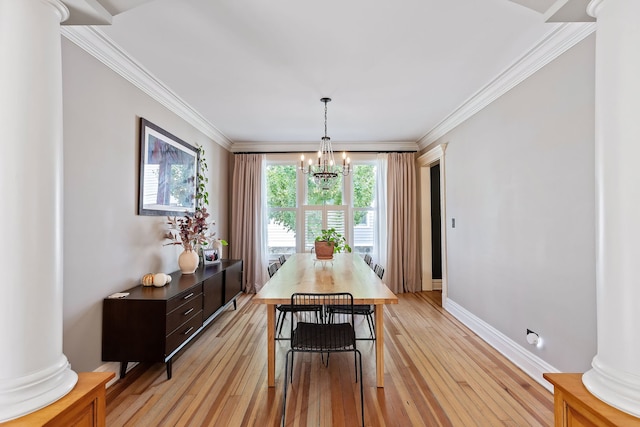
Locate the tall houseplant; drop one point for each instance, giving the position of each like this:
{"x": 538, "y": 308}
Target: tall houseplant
{"x": 202, "y": 198}
{"x": 202, "y": 195}
{"x": 330, "y": 241}
{"x": 192, "y": 231}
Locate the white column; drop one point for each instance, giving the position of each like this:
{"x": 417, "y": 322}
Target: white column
{"x": 615, "y": 377}
{"x": 33, "y": 370}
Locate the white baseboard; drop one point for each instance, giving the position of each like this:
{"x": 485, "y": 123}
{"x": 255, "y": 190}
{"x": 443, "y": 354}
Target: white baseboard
{"x": 436, "y": 284}
{"x": 115, "y": 368}
{"x": 531, "y": 364}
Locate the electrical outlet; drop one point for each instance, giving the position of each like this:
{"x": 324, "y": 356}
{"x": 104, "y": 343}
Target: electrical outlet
{"x": 532, "y": 337}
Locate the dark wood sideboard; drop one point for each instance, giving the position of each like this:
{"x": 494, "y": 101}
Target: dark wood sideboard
{"x": 152, "y": 324}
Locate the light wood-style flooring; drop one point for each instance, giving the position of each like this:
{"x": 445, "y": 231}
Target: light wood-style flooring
{"x": 437, "y": 373}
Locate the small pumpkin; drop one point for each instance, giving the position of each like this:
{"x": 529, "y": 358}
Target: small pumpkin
{"x": 159, "y": 280}
{"x": 147, "y": 280}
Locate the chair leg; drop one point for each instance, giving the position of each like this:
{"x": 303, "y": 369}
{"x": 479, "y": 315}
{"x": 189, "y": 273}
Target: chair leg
{"x": 284, "y": 400}
{"x": 371, "y": 327}
{"x": 282, "y": 317}
{"x": 361, "y": 388}
{"x": 355, "y": 364}
{"x": 278, "y": 320}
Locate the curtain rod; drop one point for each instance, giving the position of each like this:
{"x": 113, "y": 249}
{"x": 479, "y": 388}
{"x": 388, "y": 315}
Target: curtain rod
{"x": 313, "y": 151}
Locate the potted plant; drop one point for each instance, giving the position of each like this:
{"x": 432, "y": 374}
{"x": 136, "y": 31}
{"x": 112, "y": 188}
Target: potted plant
{"x": 329, "y": 242}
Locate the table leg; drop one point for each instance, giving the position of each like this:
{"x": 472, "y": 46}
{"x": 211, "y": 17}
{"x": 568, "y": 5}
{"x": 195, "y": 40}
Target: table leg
{"x": 271, "y": 345}
{"x": 380, "y": 345}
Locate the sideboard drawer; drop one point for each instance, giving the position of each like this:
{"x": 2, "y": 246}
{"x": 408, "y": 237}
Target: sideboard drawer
{"x": 184, "y": 297}
{"x": 183, "y": 313}
{"x": 183, "y": 333}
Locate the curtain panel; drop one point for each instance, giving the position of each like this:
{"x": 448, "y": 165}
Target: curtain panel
{"x": 402, "y": 272}
{"x": 380, "y": 231}
{"x": 248, "y": 240}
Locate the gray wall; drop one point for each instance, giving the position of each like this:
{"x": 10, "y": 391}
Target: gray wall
{"x": 107, "y": 246}
{"x": 520, "y": 184}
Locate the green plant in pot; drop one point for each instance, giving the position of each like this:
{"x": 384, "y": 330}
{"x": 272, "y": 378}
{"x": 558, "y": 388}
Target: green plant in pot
{"x": 329, "y": 242}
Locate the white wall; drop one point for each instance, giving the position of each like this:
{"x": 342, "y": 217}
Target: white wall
{"x": 107, "y": 246}
{"x": 520, "y": 185}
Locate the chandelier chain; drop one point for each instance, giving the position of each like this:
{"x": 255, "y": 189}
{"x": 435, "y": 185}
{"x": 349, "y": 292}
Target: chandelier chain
{"x": 326, "y": 171}
{"x": 325, "y": 118}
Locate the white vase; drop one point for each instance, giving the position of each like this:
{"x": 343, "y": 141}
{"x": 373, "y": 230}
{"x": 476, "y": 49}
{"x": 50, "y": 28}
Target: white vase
{"x": 188, "y": 261}
{"x": 217, "y": 245}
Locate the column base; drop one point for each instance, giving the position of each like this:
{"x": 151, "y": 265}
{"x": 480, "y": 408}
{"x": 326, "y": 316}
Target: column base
{"x": 23, "y": 395}
{"x": 616, "y": 388}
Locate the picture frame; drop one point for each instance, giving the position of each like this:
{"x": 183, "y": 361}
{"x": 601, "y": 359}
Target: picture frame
{"x": 210, "y": 256}
{"x": 168, "y": 173}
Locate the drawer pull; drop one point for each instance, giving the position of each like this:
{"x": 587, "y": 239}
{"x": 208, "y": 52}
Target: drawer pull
{"x": 188, "y": 296}
{"x": 188, "y": 311}
{"x": 187, "y": 331}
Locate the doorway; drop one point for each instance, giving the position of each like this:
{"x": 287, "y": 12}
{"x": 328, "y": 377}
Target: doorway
{"x": 433, "y": 219}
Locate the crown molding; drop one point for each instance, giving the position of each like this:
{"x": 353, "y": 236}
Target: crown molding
{"x": 298, "y": 147}
{"x": 554, "y": 44}
{"x": 101, "y": 47}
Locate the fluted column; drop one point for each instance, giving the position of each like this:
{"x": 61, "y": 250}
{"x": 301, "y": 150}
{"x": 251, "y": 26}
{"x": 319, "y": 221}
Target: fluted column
{"x": 33, "y": 370}
{"x": 615, "y": 376}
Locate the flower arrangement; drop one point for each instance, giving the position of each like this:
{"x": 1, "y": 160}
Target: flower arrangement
{"x": 193, "y": 231}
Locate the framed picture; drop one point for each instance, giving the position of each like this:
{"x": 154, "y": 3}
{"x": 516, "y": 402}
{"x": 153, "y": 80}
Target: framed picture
{"x": 210, "y": 256}
{"x": 168, "y": 173}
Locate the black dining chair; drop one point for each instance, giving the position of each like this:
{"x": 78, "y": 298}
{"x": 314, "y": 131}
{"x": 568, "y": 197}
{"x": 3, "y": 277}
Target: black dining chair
{"x": 273, "y": 267}
{"x": 282, "y": 259}
{"x": 315, "y": 335}
{"x": 368, "y": 260}
{"x": 365, "y": 310}
{"x": 283, "y": 309}
{"x": 379, "y": 270}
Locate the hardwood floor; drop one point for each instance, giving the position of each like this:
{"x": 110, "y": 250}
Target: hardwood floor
{"x": 437, "y": 373}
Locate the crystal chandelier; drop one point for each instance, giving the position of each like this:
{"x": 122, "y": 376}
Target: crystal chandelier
{"x": 325, "y": 170}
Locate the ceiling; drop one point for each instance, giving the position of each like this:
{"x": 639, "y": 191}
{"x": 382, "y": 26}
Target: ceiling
{"x": 256, "y": 70}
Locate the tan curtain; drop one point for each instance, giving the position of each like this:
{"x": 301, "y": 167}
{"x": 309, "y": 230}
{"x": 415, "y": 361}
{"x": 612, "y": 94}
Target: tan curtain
{"x": 247, "y": 225}
{"x": 402, "y": 273}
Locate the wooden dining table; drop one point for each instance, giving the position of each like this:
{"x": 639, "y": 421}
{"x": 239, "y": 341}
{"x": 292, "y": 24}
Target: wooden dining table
{"x": 347, "y": 272}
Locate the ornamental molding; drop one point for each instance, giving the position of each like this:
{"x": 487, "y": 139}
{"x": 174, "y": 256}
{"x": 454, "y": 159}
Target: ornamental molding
{"x": 298, "y": 147}
{"x": 101, "y": 47}
{"x": 562, "y": 38}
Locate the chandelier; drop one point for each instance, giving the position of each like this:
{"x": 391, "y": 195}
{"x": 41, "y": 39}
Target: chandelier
{"x": 325, "y": 171}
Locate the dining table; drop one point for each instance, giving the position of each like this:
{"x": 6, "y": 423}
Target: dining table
{"x": 304, "y": 273}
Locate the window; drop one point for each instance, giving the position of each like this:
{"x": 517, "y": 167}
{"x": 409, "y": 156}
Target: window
{"x": 349, "y": 206}
{"x": 282, "y": 210}
{"x": 364, "y": 185}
